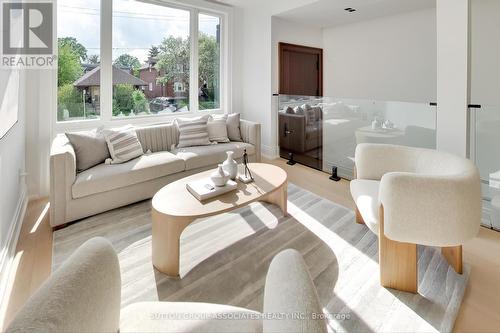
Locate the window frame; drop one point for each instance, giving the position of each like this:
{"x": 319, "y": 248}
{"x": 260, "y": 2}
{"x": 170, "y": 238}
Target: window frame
{"x": 224, "y": 13}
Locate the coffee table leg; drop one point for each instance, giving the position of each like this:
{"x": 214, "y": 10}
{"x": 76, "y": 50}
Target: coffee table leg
{"x": 279, "y": 197}
{"x": 166, "y": 234}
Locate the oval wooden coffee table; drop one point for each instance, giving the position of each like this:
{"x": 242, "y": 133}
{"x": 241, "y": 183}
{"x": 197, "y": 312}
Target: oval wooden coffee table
{"x": 174, "y": 208}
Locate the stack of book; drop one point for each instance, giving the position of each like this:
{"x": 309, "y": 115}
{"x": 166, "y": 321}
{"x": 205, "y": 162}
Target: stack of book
{"x": 204, "y": 189}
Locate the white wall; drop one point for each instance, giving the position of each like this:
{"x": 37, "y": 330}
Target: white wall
{"x": 293, "y": 33}
{"x": 390, "y": 58}
{"x": 12, "y": 186}
{"x": 485, "y": 52}
{"x": 12, "y": 158}
{"x": 452, "y": 78}
{"x": 253, "y": 64}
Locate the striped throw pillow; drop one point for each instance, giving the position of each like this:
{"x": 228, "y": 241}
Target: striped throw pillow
{"x": 193, "y": 131}
{"x": 123, "y": 144}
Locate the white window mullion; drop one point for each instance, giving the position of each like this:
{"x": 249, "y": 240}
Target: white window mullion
{"x": 106, "y": 60}
{"x": 193, "y": 67}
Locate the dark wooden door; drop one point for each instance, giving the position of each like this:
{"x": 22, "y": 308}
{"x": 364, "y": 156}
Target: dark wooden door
{"x": 301, "y": 70}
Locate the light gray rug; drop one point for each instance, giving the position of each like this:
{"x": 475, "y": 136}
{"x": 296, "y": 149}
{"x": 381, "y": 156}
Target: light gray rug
{"x": 224, "y": 259}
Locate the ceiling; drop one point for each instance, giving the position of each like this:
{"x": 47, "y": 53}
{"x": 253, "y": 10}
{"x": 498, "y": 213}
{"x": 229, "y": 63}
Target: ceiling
{"x": 329, "y": 13}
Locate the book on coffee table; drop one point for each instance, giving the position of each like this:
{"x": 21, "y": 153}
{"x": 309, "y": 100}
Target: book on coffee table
{"x": 204, "y": 189}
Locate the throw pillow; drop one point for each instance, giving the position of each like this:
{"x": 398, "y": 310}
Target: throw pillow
{"x": 233, "y": 127}
{"x": 217, "y": 129}
{"x": 123, "y": 144}
{"x": 298, "y": 110}
{"x": 193, "y": 131}
{"x": 90, "y": 148}
{"x": 311, "y": 116}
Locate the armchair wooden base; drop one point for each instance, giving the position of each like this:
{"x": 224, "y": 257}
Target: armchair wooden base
{"x": 398, "y": 261}
{"x": 359, "y": 218}
{"x": 453, "y": 255}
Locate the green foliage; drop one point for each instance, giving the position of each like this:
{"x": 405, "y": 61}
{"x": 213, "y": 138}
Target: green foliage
{"x": 69, "y": 68}
{"x": 71, "y": 99}
{"x": 208, "y": 105}
{"x": 173, "y": 60}
{"x": 208, "y": 59}
{"x": 127, "y": 98}
{"x": 122, "y": 99}
{"x": 154, "y": 51}
{"x": 94, "y": 59}
{"x": 74, "y": 45}
{"x": 127, "y": 61}
{"x": 141, "y": 103}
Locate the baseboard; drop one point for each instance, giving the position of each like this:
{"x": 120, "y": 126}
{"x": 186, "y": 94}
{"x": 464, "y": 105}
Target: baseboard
{"x": 8, "y": 252}
{"x": 270, "y": 152}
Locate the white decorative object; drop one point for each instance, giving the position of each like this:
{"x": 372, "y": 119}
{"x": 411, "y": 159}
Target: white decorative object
{"x": 204, "y": 189}
{"x": 244, "y": 179}
{"x": 230, "y": 165}
{"x": 219, "y": 177}
{"x": 376, "y": 124}
{"x": 388, "y": 124}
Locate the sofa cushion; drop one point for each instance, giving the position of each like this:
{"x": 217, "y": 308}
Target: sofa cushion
{"x": 233, "y": 127}
{"x": 90, "y": 148}
{"x": 217, "y": 129}
{"x": 365, "y": 195}
{"x": 102, "y": 178}
{"x": 198, "y": 157}
{"x": 158, "y": 137}
{"x": 193, "y": 131}
{"x": 123, "y": 145}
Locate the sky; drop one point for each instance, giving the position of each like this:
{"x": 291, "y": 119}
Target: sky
{"x": 136, "y": 25}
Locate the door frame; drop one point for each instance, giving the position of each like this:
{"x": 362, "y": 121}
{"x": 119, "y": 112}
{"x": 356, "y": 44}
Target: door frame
{"x": 283, "y": 47}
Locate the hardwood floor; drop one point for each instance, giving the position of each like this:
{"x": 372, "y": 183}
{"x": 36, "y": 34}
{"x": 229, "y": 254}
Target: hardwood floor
{"x": 478, "y": 313}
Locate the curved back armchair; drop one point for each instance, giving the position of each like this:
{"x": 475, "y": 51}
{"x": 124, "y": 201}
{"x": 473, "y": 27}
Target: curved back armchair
{"x": 412, "y": 196}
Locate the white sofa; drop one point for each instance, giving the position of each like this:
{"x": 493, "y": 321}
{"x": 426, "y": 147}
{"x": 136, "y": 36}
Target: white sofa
{"x": 411, "y": 196}
{"x": 74, "y": 196}
{"x": 83, "y": 295}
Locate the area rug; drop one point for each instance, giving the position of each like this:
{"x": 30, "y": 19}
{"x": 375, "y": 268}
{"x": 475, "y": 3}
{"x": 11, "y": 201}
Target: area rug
{"x": 224, "y": 259}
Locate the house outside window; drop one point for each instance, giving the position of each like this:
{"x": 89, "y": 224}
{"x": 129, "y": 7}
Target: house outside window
{"x": 178, "y": 87}
{"x": 148, "y": 76}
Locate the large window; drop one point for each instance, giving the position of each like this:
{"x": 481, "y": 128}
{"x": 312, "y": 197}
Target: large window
{"x": 156, "y": 59}
{"x": 78, "y": 79}
{"x": 208, "y": 62}
{"x": 151, "y": 54}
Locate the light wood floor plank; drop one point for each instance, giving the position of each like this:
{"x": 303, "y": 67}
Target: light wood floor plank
{"x": 478, "y": 313}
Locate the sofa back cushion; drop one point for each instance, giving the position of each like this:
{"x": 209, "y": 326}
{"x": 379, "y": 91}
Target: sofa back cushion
{"x": 123, "y": 144}
{"x": 158, "y": 137}
{"x": 193, "y": 131}
{"x": 90, "y": 148}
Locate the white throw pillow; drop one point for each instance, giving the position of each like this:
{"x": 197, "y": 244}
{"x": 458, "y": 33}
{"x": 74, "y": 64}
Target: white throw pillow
{"x": 123, "y": 144}
{"x": 193, "y": 131}
{"x": 217, "y": 129}
{"x": 233, "y": 126}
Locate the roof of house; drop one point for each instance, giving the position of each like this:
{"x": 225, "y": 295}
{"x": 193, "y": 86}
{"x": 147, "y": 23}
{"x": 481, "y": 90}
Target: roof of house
{"x": 93, "y": 78}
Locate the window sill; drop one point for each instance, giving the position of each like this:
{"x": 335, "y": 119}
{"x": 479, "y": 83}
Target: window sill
{"x": 142, "y": 120}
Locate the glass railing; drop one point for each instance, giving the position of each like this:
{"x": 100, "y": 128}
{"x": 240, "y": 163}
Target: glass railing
{"x": 485, "y": 151}
{"x": 322, "y": 132}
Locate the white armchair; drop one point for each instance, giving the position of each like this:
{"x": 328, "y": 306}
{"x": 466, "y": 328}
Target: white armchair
{"x": 83, "y": 295}
{"x": 411, "y": 196}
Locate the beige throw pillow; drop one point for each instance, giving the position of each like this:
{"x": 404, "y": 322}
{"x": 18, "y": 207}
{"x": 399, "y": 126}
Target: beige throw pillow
{"x": 217, "y": 129}
{"x": 233, "y": 125}
{"x": 90, "y": 148}
{"x": 123, "y": 144}
{"x": 193, "y": 131}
